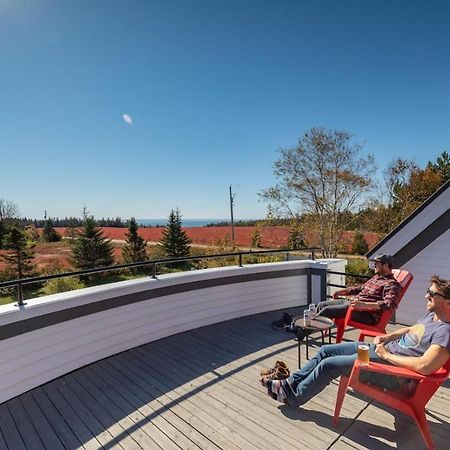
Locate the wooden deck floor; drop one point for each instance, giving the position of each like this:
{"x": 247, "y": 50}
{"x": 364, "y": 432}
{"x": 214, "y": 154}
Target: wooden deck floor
{"x": 200, "y": 390}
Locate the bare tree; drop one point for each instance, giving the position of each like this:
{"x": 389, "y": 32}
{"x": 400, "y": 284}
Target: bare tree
{"x": 8, "y": 212}
{"x": 322, "y": 178}
{"x": 8, "y": 209}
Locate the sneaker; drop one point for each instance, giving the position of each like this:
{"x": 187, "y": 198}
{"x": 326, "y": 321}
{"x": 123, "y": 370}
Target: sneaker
{"x": 280, "y": 324}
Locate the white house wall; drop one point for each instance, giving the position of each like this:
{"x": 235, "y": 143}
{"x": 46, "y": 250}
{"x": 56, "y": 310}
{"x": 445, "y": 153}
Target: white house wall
{"x": 421, "y": 221}
{"x": 433, "y": 259}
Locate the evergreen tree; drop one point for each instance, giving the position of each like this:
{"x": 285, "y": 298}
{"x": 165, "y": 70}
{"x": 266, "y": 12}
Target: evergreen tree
{"x": 72, "y": 231}
{"x": 175, "y": 242}
{"x": 296, "y": 240}
{"x": 92, "y": 249}
{"x": 359, "y": 246}
{"x": 442, "y": 166}
{"x": 134, "y": 249}
{"x": 19, "y": 252}
{"x": 2, "y": 233}
{"x": 49, "y": 234}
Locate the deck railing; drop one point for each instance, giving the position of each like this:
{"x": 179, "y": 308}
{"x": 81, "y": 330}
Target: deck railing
{"x": 18, "y": 284}
{"x": 347, "y": 274}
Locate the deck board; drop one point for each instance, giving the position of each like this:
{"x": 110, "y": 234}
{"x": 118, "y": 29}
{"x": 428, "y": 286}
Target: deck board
{"x": 200, "y": 390}
{"x": 23, "y": 423}
{"x": 77, "y": 426}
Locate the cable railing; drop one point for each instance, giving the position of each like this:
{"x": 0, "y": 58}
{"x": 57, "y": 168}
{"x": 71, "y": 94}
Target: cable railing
{"x": 347, "y": 274}
{"x": 18, "y": 284}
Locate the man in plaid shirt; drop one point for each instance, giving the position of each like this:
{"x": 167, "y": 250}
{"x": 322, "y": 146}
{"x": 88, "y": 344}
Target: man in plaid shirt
{"x": 369, "y": 300}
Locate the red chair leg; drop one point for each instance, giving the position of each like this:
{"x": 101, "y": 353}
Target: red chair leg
{"x": 340, "y": 330}
{"x": 424, "y": 428}
{"x": 343, "y": 384}
{"x": 362, "y": 336}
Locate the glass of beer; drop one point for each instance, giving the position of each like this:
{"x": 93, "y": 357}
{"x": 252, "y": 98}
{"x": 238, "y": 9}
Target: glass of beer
{"x": 306, "y": 318}
{"x": 363, "y": 354}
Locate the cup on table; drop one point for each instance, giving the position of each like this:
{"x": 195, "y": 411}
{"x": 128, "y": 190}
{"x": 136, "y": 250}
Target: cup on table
{"x": 363, "y": 354}
{"x": 306, "y": 318}
{"x": 312, "y": 311}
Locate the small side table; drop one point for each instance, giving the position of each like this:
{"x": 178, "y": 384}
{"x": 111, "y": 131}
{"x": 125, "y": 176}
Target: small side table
{"x": 318, "y": 324}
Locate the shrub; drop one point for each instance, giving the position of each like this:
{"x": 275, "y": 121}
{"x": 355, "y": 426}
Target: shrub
{"x": 359, "y": 246}
{"x": 359, "y": 266}
{"x": 58, "y": 285}
{"x": 256, "y": 238}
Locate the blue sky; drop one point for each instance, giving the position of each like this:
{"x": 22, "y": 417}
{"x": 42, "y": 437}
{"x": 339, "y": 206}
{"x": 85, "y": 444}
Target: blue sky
{"x": 214, "y": 88}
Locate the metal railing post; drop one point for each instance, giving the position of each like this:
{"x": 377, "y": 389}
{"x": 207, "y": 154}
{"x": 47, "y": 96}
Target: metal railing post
{"x": 287, "y": 256}
{"x": 240, "y": 260}
{"x": 19, "y": 294}
{"x": 313, "y": 254}
{"x": 154, "y": 270}
{"x": 308, "y": 286}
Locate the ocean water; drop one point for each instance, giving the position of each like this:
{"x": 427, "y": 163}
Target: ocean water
{"x": 185, "y": 222}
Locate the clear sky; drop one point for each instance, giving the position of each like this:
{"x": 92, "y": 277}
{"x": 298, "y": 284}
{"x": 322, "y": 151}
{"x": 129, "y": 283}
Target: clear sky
{"x": 213, "y": 89}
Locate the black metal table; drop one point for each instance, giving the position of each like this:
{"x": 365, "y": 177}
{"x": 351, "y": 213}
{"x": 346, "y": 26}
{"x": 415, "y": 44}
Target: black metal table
{"x": 319, "y": 323}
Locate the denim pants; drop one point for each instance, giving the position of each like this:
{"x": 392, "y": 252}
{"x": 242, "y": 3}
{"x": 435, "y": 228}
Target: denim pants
{"x": 330, "y": 362}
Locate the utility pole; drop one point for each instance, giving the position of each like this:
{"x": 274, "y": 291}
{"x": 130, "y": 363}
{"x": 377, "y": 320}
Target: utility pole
{"x": 232, "y": 220}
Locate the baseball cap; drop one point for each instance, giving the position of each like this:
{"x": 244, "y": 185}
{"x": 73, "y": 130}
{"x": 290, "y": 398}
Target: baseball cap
{"x": 383, "y": 259}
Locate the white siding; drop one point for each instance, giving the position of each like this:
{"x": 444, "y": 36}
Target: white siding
{"x": 35, "y": 357}
{"x": 434, "y": 259}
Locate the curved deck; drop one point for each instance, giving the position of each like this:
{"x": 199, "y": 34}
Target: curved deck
{"x": 199, "y": 389}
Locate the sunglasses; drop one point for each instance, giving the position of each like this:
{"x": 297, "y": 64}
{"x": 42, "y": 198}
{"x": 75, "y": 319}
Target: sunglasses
{"x": 432, "y": 293}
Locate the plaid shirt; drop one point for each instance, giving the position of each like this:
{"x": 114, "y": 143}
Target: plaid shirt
{"x": 381, "y": 289}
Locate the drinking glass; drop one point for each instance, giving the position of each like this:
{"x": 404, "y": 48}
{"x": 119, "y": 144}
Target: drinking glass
{"x": 363, "y": 354}
{"x": 306, "y": 318}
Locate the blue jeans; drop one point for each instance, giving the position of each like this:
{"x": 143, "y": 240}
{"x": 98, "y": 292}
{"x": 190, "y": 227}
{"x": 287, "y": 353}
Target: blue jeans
{"x": 330, "y": 362}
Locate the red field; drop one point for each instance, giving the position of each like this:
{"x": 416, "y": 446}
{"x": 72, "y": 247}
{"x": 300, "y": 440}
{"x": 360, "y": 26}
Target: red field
{"x": 271, "y": 237}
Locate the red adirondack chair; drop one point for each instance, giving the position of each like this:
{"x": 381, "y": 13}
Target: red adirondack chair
{"x": 413, "y": 406}
{"x": 405, "y": 279}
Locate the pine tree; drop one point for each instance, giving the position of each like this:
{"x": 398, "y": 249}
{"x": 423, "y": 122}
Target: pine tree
{"x": 49, "y": 234}
{"x": 19, "y": 252}
{"x": 72, "y": 230}
{"x": 2, "y": 233}
{"x": 92, "y": 249}
{"x": 134, "y": 249}
{"x": 175, "y": 242}
{"x": 442, "y": 166}
{"x": 296, "y": 240}
{"x": 359, "y": 246}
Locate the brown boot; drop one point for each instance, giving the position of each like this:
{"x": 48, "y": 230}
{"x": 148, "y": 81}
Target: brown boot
{"x": 267, "y": 372}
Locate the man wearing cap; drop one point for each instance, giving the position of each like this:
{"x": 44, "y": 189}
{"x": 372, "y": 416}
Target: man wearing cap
{"x": 378, "y": 294}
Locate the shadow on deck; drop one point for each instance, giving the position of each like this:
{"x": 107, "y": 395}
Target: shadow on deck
{"x": 200, "y": 389}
